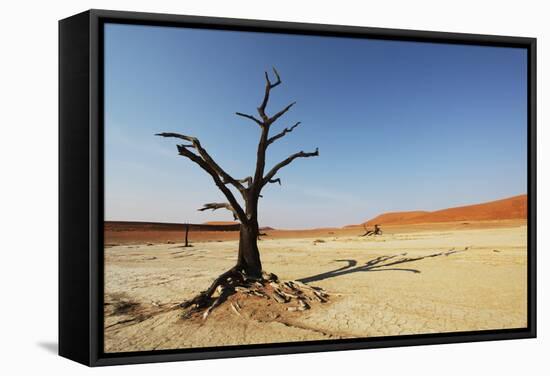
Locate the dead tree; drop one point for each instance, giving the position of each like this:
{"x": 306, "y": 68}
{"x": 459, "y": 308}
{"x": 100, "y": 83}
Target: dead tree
{"x": 186, "y": 235}
{"x": 376, "y": 231}
{"x": 248, "y": 266}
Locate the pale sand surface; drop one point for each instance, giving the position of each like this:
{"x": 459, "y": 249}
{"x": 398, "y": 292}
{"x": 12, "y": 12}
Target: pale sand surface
{"x": 483, "y": 287}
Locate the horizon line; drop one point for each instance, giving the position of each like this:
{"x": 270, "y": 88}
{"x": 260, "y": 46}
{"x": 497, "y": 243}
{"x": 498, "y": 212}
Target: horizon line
{"x": 322, "y": 227}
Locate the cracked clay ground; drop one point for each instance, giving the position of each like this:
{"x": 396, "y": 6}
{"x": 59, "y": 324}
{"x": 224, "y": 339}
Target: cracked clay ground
{"x": 398, "y": 283}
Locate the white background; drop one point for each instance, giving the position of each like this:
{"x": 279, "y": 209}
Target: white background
{"x": 28, "y": 136}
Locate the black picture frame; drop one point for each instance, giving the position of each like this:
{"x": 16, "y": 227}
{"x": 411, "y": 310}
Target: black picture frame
{"x": 81, "y": 186}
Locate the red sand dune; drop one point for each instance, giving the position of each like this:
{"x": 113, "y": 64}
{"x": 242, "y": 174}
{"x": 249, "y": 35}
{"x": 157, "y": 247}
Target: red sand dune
{"x": 480, "y": 215}
{"x": 508, "y": 208}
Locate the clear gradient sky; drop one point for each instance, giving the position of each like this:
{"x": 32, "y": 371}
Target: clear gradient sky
{"x": 399, "y": 125}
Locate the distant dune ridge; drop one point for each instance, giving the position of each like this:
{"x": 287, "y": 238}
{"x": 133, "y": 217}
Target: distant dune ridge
{"x": 127, "y": 232}
{"x": 509, "y": 208}
{"x": 221, "y": 223}
{"x": 121, "y": 226}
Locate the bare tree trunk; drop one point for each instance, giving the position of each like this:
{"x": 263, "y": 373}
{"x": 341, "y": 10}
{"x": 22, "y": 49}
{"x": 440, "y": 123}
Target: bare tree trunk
{"x": 187, "y": 234}
{"x": 248, "y": 258}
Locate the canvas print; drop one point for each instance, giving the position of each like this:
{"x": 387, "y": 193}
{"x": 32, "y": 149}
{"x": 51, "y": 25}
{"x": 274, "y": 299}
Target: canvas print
{"x": 269, "y": 188}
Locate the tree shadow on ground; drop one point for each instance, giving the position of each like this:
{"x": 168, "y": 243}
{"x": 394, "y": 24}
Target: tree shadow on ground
{"x": 378, "y": 264}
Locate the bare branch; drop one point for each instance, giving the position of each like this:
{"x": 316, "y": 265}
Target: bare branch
{"x": 219, "y": 205}
{"x": 274, "y": 118}
{"x": 207, "y": 164}
{"x": 195, "y": 143}
{"x": 247, "y": 180}
{"x": 286, "y": 162}
{"x": 278, "y": 180}
{"x": 276, "y": 76}
{"x": 251, "y": 118}
{"x": 279, "y": 135}
{"x": 178, "y": 135}
{"x": 268, "y": 87}
{"x": 215, "y": 206}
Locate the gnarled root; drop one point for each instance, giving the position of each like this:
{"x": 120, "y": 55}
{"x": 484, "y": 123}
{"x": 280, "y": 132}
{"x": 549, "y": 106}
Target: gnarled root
{"x": 297, "y": 295}
{"x": 223, "y": 287}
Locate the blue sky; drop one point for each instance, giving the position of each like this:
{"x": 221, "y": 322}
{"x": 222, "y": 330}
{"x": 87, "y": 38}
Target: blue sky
{"x": 399, "y": 125}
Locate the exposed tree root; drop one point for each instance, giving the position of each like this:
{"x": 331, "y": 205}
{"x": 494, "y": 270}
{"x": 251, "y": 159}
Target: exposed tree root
{"x": 297, "y": 295}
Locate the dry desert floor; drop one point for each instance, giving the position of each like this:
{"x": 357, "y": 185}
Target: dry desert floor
{"x": 423, "y": 279}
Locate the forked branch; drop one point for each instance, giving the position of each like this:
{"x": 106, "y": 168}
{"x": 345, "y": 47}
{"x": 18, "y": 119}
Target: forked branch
{"x": 204, "y": 161}
{"x": 281, "y": 134}
{"x": 277, "y": 82}
{"x": 195, "y": 144}
{"x": 268, "y": 87}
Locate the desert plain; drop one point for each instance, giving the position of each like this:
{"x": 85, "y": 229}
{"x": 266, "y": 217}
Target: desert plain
{"x": 465, "y": 271}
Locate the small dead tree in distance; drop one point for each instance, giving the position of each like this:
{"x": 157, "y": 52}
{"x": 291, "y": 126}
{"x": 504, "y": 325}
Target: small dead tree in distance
{"x": 376, "y": 231}
{"x": 186, "y": 235}
{"x": 248, "y": 266}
